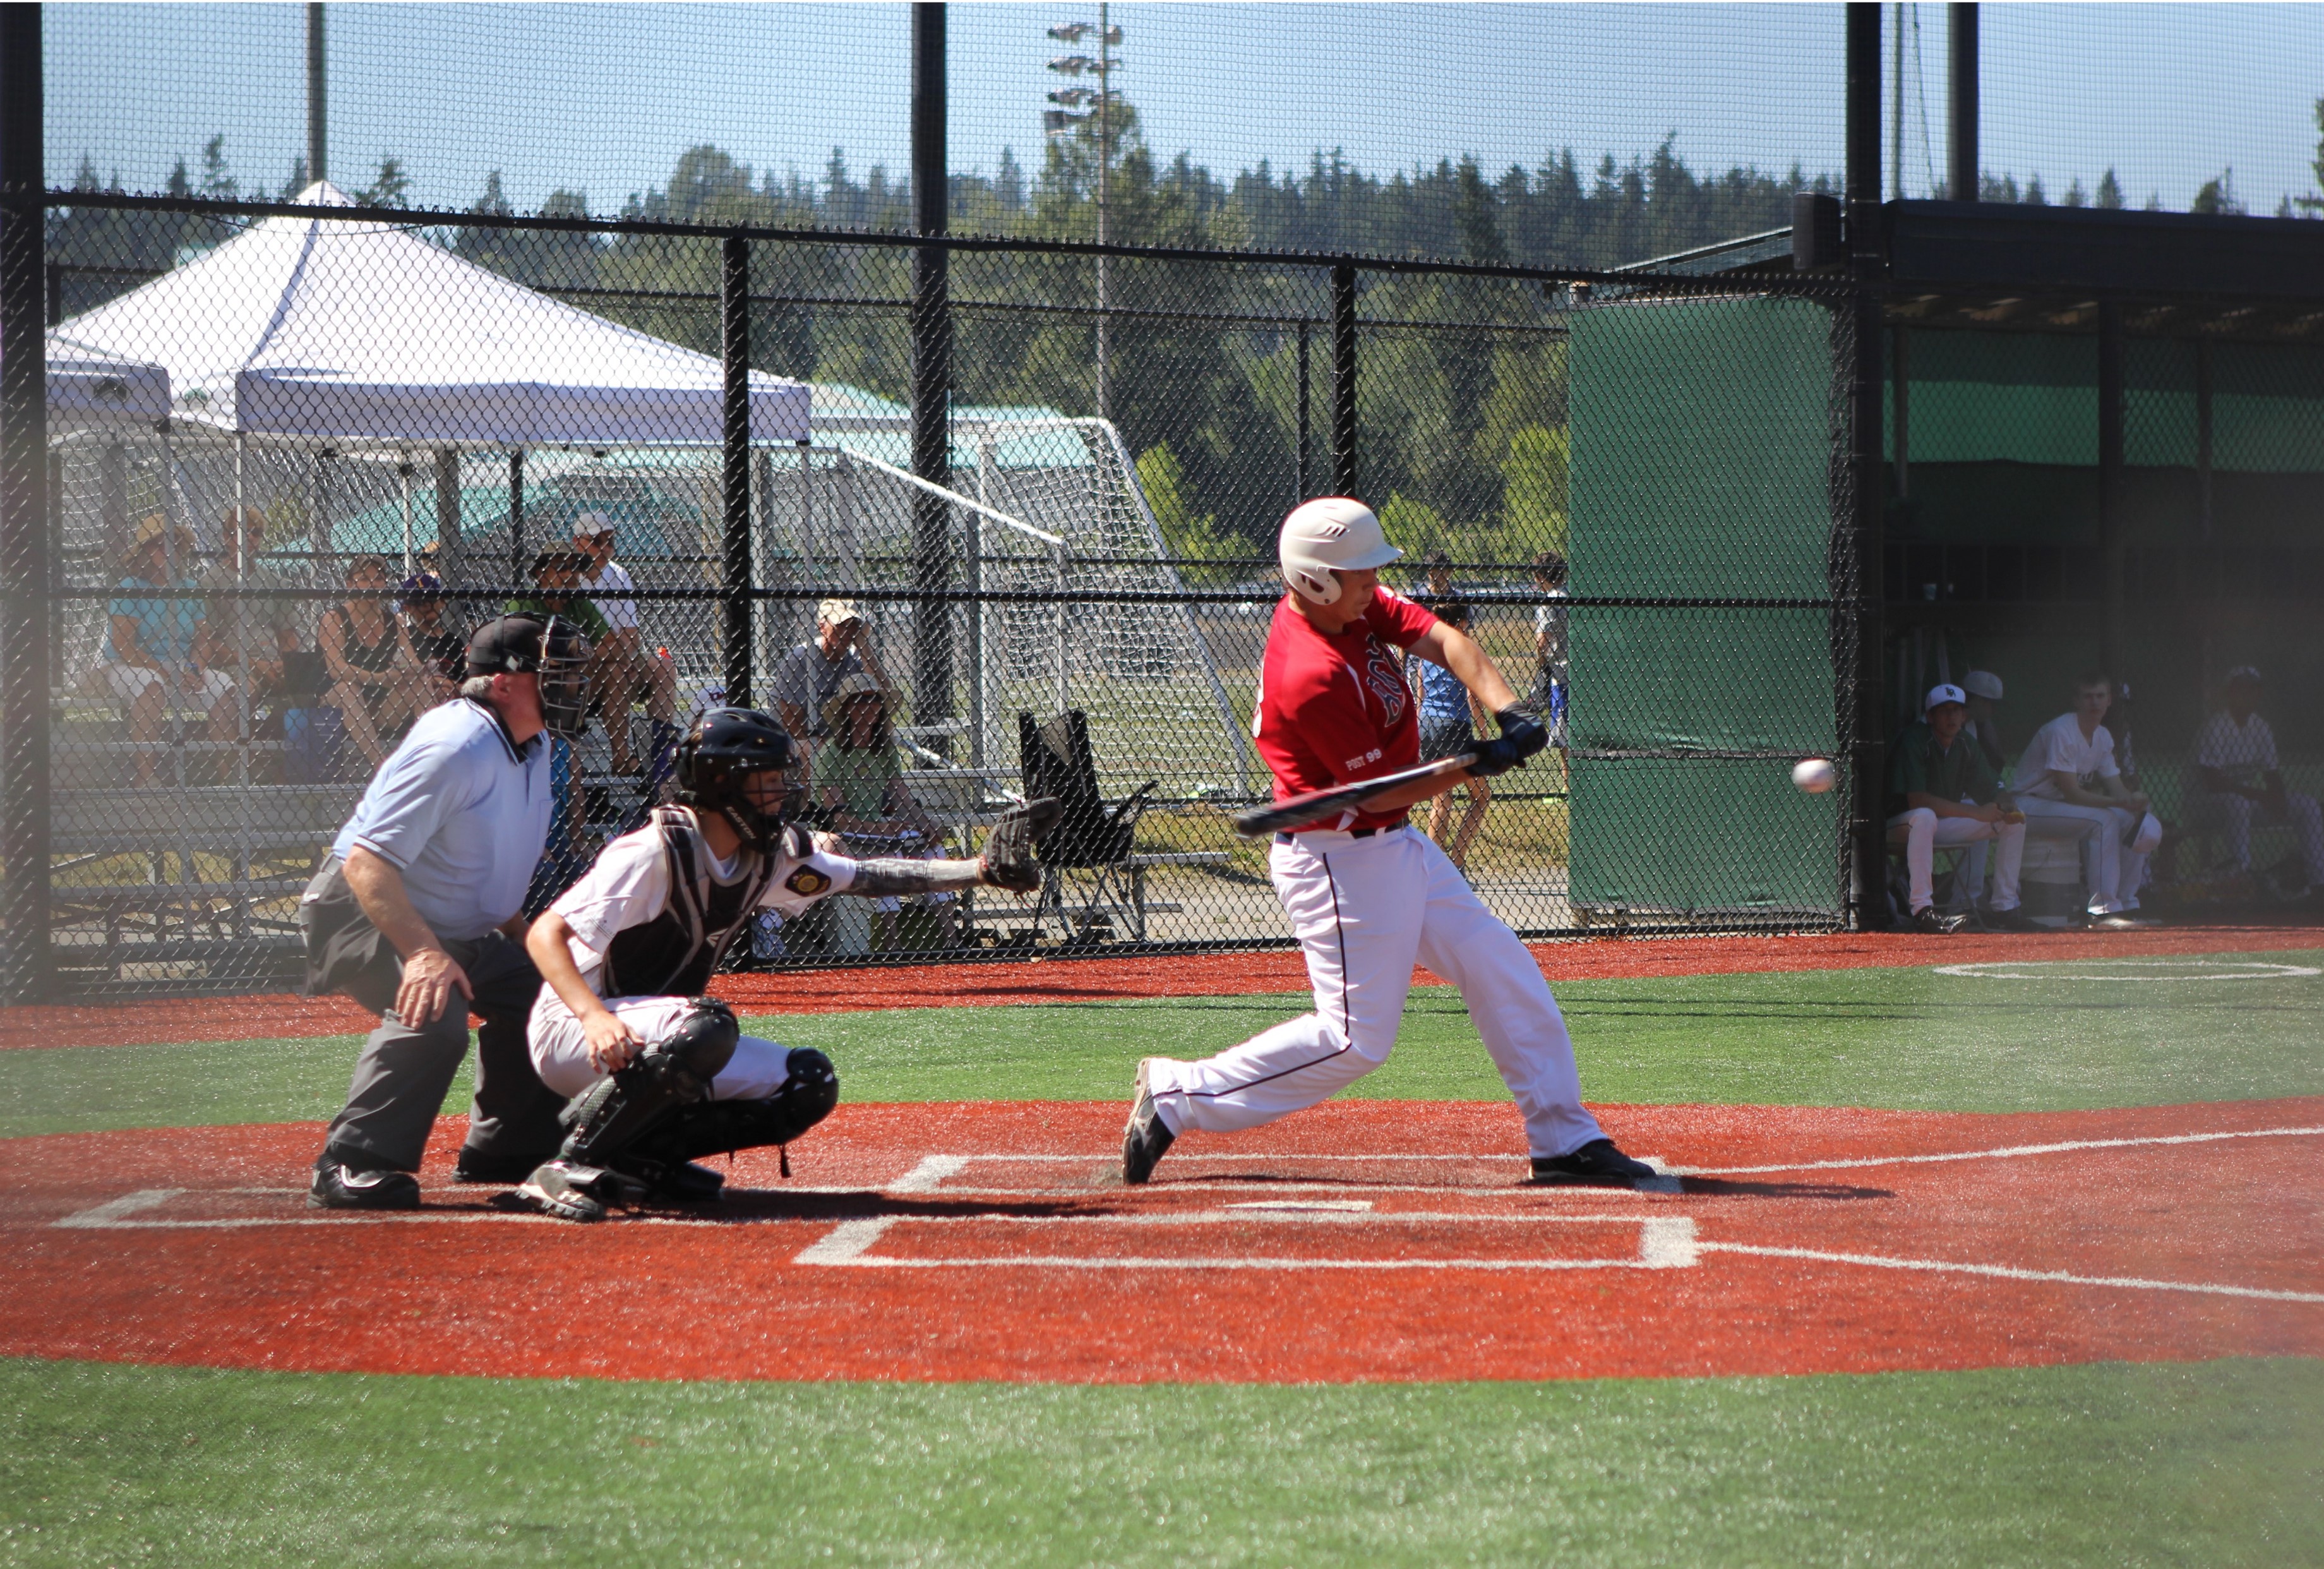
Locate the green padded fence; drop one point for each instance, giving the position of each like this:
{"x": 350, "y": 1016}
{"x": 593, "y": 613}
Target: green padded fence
{"x": 1703, "y": 442}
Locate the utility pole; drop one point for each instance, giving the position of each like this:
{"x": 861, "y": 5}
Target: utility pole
{"x": 318, "y": 119}
{"x": 1096, "y": 111}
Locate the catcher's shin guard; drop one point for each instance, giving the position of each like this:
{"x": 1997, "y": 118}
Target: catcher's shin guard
{"x": 614, "y": 1112}
{"x": 807, "y": 1094}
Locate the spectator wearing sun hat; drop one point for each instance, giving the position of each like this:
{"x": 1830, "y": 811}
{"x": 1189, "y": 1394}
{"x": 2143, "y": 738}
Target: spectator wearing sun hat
{"x": 810, "y": 674}
{"x": 2241, "y": 780}
{"x": 1943, "y": 794}
{"x": 153, "y": 646}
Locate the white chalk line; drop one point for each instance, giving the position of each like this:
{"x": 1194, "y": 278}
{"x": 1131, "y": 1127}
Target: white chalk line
{"x": 2008, "y": 1151}
{"x": 2194, "y": 970}
{"x": 1665, "y": 1242}
{"x": 2009, "y": 1273}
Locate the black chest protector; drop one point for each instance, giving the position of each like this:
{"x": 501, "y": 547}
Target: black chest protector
{"x": 672, "y": 955}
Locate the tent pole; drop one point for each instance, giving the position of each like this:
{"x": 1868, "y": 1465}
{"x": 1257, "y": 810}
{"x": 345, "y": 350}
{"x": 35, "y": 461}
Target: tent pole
{"x": 516, "y": 520}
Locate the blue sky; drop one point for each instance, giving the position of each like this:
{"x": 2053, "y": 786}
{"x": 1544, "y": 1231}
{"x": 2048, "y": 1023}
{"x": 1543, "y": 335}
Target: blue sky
{"x": 606, "y": 97}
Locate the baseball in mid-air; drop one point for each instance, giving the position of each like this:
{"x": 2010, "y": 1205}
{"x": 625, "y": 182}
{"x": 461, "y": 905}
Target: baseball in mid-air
{"x": 1814, "y": 775}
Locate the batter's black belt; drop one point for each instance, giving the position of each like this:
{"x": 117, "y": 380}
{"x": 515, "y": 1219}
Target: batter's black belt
{"x": 1353, "y": 834}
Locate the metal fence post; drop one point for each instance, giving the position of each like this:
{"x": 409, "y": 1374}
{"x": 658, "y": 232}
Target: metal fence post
{"x": 25, "y": 627}
{"x": 1867, "y": 585}
{"x": 2113, "y": 614}
{"x": 1961, "y": 108}
{"x": 734, "y": 349}
{"x": 1343, "y": 378}
{"x": 1304, "y": 419}
{"x": 932, "y": 544}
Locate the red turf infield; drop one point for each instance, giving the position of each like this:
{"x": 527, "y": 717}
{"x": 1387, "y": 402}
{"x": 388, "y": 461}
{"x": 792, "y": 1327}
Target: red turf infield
{"x": 262, "y": 1017}
{"x": 1023, "y": 1260}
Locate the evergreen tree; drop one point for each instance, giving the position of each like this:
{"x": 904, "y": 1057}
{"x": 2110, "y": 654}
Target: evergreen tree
{"x": 2109, "y": 191}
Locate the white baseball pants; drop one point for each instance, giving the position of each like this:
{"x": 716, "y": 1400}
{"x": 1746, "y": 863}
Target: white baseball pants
{"x": 2114, "y": 856}
{"x": 1923, "y": 834}
{"x": 1365, "y": 910}
{"x": 2234, "y": 814}
{"x": 560, "y": 1055}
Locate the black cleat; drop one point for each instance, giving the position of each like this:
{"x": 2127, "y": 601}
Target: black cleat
{"x": 573, "y": 1191}
{"x": 1596, "y": 1161}
{"x": 1934, "y": 922}
{"x": 340, "y": 1186}
{"x": 1146, "y": 1137}
{"x": 679, "y": 1182}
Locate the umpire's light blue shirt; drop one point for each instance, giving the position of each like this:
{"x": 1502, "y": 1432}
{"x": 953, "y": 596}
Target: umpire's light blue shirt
{"x": 463, "y": 812}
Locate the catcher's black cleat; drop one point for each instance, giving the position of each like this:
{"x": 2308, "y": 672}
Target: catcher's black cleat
{"x": 338, "y": 1186}
{"x": 1597, "y": 1161}
{"x": 574, "y": 1192}
{"x": 673, "y": 1182}
{"x": 1146, "y": 1137}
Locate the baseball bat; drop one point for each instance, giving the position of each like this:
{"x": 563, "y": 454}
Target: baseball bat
{"x": 1318, "y": 805}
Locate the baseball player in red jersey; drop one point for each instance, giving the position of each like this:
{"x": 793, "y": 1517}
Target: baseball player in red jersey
{"x": 1368, "y": 895}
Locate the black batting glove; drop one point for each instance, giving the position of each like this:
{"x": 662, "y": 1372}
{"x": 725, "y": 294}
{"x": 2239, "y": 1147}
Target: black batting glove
{"x": 1521, "y": 736}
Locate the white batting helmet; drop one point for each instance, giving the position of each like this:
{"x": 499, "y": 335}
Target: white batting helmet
{"x": 1332, "y": 531}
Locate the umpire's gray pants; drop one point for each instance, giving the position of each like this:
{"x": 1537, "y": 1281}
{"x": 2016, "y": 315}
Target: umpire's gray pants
{"x": 406, "y": 1070}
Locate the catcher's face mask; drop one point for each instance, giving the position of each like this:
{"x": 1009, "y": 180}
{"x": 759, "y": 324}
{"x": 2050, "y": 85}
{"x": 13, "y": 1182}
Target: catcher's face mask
{"x": 564, "y": 679}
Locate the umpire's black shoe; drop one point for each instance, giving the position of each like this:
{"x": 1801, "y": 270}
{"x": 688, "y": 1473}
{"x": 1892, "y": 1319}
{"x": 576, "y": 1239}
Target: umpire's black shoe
{"x": 1596, "y": 1161}
{"x": 338, "y": 1186}
{"x": 1146, "y": 1137}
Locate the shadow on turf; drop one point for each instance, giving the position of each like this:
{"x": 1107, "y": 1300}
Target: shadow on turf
{"x": 1730, "y": 1187}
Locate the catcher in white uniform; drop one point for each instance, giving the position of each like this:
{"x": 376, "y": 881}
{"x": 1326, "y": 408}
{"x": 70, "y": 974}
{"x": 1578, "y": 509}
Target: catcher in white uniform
{"x": 1367, "y": 895}
{"x": 658, "y": 1074}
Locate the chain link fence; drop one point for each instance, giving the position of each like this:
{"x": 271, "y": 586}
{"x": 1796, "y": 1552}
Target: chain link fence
{"x": 289, "y": 473}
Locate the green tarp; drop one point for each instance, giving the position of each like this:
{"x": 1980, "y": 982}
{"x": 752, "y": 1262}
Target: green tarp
{"x": 1702, "y": 452}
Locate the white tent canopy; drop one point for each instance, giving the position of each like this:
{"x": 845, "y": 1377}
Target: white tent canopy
{"x": 88, "y": 387}
{"x": 359, "y": 330}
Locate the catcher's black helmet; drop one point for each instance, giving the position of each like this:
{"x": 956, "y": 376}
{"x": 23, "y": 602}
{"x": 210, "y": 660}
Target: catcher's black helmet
{"x": 715, "y": 764}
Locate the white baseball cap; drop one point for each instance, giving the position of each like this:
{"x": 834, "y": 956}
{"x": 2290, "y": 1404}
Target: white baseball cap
{"x": 589, "y": 525}
{"x": 1982, "y": 684}
{"x": 1943, "y": 692}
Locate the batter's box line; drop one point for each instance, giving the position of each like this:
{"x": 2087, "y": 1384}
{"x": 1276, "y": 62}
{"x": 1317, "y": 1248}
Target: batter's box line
{"x": 1665, "y": 1242}
{"x": 934, "y": 1171}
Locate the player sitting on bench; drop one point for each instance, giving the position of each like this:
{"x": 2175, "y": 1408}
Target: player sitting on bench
{"x": 659, "y": 1074}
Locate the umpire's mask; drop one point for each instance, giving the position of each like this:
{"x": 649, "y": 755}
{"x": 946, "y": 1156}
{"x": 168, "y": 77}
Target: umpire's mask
{"x": 564, "y": 679}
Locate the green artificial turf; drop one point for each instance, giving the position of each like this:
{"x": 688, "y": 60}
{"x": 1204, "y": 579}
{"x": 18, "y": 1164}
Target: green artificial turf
{"x": 1906, "y": 1039}
{"x": 2212, "y": 1464}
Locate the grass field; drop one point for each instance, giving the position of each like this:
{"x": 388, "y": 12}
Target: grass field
{"x": 2215, "y": 1463}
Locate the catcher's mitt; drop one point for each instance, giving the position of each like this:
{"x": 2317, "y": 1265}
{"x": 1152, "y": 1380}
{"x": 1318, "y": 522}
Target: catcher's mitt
{"x": 1008, "y": 861}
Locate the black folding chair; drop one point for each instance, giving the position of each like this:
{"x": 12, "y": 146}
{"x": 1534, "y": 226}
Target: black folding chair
{"x": 1086, "y": 855}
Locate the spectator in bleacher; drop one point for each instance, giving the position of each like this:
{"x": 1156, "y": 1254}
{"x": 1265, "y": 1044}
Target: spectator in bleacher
{"x": 1449, "y": 715}
{"x": 1943, "y": 795}
{"x": 557, "y": 583}
{"x": 376, "y": 681}
{"x": 810, "y": 674}
{"x": 240, "y": 631}
{"x": 1983, "y": 727}
{"x": 1549, "y": 695}
{"x": 859, "y": 786}
{"x": 627, "y": 669}
{"x": 2242, "y": 781}
{"x": 1436, "y": 580}
{"x": 2068, "y": 784}
{"x": 153, "y": 646}
{"x": 442, "y": 649}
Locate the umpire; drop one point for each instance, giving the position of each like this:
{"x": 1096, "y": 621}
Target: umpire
{"x": 421, "y": 897}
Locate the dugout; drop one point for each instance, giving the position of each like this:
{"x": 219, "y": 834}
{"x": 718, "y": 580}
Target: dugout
{"x": 2103, "y": 443}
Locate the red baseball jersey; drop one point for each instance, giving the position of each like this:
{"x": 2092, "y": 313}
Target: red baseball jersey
{"x": 1333, "y": 707}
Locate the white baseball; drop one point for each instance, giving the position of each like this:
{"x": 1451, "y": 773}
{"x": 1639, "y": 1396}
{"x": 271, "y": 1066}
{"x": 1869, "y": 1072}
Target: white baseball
{"x": 1814, "y": 775}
